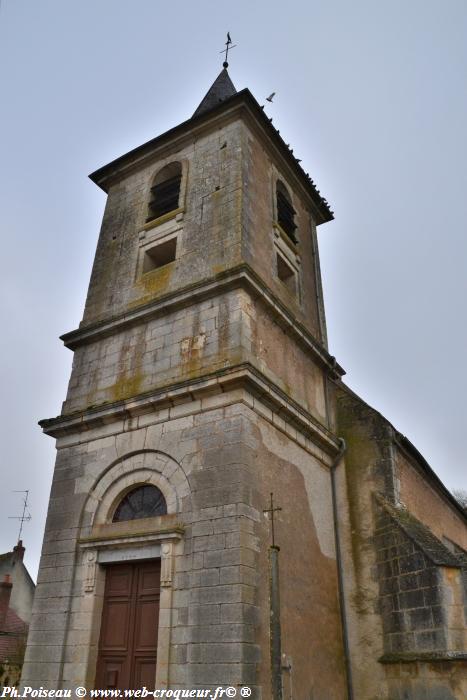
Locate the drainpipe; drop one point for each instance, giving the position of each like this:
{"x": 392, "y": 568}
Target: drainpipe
{"x": 340, "y": 573}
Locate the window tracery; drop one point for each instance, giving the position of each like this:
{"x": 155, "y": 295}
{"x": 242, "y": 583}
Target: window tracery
{"x": 142, "y": 502}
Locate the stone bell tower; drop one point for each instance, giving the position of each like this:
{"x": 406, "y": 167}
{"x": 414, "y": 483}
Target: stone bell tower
{"x": 199, "y": 386}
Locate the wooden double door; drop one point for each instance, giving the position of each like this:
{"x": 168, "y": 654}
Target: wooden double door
{"x": 130, "y": 620}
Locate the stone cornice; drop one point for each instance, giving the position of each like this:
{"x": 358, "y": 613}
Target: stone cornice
{"x": 266, "y": 399}
{"x": 240, "y": 277}
{"x": 169, "y": 534}
{"x": 423, "y": 656}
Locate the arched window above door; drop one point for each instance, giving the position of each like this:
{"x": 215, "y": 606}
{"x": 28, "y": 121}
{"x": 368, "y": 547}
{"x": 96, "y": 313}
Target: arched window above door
{"x": 144, "y": 501}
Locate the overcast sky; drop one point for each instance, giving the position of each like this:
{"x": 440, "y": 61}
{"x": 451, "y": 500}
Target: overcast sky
{"x": 371, "y": 94}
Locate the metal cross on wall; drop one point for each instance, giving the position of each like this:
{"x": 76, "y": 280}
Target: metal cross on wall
{"x": 272, "y": 510}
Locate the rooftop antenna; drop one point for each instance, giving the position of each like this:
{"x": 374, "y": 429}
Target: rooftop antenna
{"x": 25, "y": 516}
{"x": 228, "y": 46}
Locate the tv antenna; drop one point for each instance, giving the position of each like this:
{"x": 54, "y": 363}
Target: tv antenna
{"x": 25, "y": 516}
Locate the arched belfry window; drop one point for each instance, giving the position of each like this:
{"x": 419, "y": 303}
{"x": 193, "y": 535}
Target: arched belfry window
{"x": 142, "y": 502}
{"x": 285, "y": 211}
{"x": 165, "y": 191}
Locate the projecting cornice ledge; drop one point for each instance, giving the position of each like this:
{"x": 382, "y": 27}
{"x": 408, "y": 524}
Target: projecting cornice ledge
{"x": 407, "y": 657}
{"x": 242, "y": 383}
{"x": 240, "y": 277}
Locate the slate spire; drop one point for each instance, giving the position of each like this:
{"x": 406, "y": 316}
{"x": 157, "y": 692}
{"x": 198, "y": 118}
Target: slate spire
{"x": 221, "y": 89}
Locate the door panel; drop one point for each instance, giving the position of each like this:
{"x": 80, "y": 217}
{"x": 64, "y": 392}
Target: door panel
{"x": 119, "y": 579}
{"x": 149, "y": 580}
{"x": 115, "y": 625}
{"x": 130, "y": 618}
{"x": 147, "y": 618}
{"x": 112, "y": 672}
{"x": 145, "y": 673}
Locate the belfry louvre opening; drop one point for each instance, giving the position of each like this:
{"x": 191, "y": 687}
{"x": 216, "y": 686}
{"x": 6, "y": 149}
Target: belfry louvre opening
{"x": 165, "y": 192}
{"x": 160, "y": 255}
{"x": 285, "y": 213}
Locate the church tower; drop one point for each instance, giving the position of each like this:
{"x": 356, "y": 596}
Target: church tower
{"x": 199, "y": 386}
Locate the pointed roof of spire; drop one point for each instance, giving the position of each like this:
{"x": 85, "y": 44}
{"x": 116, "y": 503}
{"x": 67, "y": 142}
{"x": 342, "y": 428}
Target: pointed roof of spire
{"x": 221, "y": 89}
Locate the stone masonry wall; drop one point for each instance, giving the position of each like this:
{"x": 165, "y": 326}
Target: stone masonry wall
{"x": 411, "y": 596}
{"x": 217, "y": 460}
{"x": 180, "y": 345}
{"x": 210, "y": 223}
{"x": 362, "y": 473}
{"x": 209, "y": 336}
{"x": 215, "y": 457}
{"x": 400, "y": 604}
{"x": 304, "y": 530}
{"x": 214, "y": 576}
{"x": 421, "y": 499}
{"x": 261, "y": 172}
{"x": 227, "y": 197}
{"x": 421, "y": 681}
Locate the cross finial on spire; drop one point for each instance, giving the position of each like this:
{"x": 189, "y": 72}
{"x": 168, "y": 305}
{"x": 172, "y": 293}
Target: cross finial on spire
{"x": 228, "y": 46}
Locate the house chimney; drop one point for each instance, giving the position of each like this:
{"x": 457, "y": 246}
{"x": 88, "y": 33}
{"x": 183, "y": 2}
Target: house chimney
{"x": 5, "y": 593}
{"x": 19, "y": 551}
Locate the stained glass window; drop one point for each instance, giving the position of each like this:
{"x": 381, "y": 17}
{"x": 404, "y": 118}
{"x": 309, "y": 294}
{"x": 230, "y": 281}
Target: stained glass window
{"x": 143, "y": 502}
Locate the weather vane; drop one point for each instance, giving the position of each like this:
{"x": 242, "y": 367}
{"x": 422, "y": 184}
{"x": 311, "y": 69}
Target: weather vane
{"x": 24, "y": 517}
{"x": 228, "y": 46}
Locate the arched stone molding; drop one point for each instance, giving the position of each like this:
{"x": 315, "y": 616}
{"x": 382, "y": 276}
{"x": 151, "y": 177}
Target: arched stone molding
{"x": 144, "y": 467}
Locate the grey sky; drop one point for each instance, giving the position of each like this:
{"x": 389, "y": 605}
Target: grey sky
{"x": 371, "y": 94}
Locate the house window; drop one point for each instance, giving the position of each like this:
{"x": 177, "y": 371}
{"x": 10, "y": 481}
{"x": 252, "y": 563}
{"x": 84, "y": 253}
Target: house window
{"x": 142, "y": 502}
{"x": 159, "y": 255}
{"x": 285, "y": 211}
{"x": 165, "y": 191}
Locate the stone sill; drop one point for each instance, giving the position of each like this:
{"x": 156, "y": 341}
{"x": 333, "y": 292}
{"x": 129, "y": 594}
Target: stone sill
{"x": 408, "y": 657}
{"x": 162, "y": 219}
{"x": 287, "y": 240}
